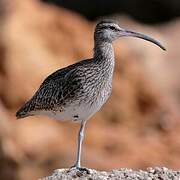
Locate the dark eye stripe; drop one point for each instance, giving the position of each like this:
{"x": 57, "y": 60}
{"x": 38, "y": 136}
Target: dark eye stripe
{"x": 112, "y": 27}
{"x": 107, "y": 27}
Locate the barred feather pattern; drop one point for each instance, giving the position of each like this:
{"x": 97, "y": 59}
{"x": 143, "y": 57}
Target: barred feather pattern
{"x": 84, "y": 85}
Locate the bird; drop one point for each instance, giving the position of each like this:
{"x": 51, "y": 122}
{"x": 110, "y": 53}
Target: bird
{"x": 78, "y": 91}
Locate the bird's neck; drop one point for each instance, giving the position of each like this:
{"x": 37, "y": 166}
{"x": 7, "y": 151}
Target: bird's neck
{"x": 104, "y": 53}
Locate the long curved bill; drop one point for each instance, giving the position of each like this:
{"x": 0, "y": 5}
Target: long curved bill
{"x": 143, "y": 36}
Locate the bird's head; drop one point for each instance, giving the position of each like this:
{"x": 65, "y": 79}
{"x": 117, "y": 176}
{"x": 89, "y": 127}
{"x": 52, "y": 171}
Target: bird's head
{"x": 108, "y": 31}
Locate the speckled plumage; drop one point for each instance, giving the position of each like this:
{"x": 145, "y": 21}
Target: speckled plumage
{"x": 79, "y": 84}
{"x": 78, "y": 91}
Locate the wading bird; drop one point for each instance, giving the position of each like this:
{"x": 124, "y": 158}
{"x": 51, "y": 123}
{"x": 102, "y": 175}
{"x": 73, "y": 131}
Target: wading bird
{"x": 79, "y": 90}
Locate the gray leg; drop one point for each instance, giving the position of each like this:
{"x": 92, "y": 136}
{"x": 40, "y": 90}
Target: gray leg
{"x": 80, "y": 139}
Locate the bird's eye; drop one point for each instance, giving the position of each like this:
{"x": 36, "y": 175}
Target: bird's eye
{"x": 112, "y": 27}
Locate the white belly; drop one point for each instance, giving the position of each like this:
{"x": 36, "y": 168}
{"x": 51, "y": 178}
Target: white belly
{"x": 76, "y": 112}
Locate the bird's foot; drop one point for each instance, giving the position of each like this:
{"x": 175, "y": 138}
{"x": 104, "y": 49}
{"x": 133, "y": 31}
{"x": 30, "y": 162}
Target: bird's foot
{"x": 79, "y": 168}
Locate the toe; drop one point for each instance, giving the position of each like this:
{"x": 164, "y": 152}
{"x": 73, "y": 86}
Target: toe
{"x": 81, "y": 169}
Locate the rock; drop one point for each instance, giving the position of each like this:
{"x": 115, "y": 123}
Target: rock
{"x": 157, "y": 173}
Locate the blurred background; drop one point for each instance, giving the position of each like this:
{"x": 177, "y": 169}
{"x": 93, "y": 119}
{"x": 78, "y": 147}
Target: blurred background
{"x": 140, "y": 124}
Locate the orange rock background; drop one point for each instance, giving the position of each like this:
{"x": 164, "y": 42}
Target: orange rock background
{"x": 139, "y": 125}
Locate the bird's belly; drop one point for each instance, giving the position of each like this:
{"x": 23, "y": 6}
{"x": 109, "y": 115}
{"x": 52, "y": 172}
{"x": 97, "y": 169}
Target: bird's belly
{"x": 74, "y": 113}
{"x": 79, "y": 111}
{"x": 83, "y": 109}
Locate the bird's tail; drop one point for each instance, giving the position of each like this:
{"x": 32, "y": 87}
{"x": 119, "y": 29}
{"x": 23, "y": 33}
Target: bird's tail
{"x": 24, "y": 111}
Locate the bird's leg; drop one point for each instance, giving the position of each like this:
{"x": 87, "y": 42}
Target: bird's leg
{"x": 77, "y": 164}
{"x": 80, "y": 139}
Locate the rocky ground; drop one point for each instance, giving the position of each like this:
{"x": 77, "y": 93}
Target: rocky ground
{"x": 121, "y": 174}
